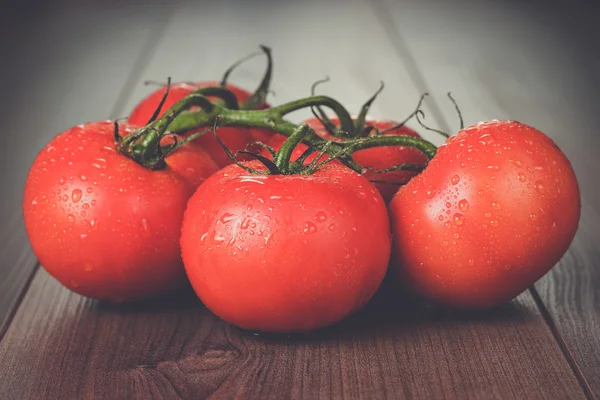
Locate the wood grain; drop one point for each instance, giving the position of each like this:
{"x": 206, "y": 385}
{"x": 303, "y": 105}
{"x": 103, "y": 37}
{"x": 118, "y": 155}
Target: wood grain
{"x": 76, "y": 61}
{"x": 396, "y": 348}
{"x": 60, "y": 345}
{"x": 532, "y": 85}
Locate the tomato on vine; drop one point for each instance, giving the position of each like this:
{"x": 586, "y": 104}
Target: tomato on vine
{"x": 282, "y": 247}
{"x": 494, "y": 211}
{"x": 236, "y": 138}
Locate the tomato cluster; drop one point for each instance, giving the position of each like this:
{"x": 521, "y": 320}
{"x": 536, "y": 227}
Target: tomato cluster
{"x": 299, "y": 233}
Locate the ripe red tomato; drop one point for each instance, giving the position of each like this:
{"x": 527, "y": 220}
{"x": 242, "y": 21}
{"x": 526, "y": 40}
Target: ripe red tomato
{"x": 285, "y": 253}
{"x": 493, "y": 211}
{"x": 377, "y": 157}
{"x": 235, "y": 138}
{"x": 101, "y": 224}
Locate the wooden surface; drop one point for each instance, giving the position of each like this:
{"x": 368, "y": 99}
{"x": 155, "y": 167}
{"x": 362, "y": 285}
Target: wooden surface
{"x": 499, "y": 59}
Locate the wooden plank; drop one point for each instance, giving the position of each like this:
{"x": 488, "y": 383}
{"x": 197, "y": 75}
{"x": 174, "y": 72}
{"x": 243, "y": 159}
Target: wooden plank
{"x": 71, "y": 74}
{"x": 397, "y": 348}
{"x": 178, "y": 349}
{"x": 540, "y": 84}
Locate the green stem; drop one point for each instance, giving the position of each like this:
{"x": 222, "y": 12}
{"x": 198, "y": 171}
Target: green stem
{"x": 393, "y": 140}
{"x": 282, "y": 158}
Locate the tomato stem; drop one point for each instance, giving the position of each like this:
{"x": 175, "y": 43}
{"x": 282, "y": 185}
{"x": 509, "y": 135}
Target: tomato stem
{"x": 359, "y": 124}
{"x": 282, "y": 158}
{"x": 258, "y": 98}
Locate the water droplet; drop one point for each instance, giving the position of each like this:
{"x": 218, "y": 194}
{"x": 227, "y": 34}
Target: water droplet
{"x": 522, "y": 177}
{"x": 83, "y": 213}
{"x": 145, "y": 227}
{"x": 471, "y": 262}
{"x": 447, "y": 225}
{"x": 494, "y": 223}
{"x": 463, "y": 205}
{"x": 203, "y": 237}
{"x": 539, "y": 186}
{"x": 331, "y": 227}
{"x": 441, "y": 217}
{"x": 458, "y": 219}
{"x": 83, "y": 235}
{"x": 321, "y": 216}
{"x": 455, "y": 179}
{"x": 93, "y": 224}
{"x": 245, "y": 223}
{"x": 76, "y": 195}
{"x": 71, "y": 218}
{"x": 275, "y": 197}
{"x": 83, "y": 178}
{"x": 309, "y": 227}
{"x": 65, "y": 197}
{"x": 430, "y": 192}
{"x": 88, "y": 267}
{"x": 493, "y": 167}
{"x": 227, "y": 217}
{"x": 74, "y": 284}
{"x": 496, "y": 206}
{"x": 533, "y": 217}
{"x": 217, "y": 238}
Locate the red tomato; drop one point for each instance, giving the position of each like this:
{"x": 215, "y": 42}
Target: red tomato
{"x": 235, "y": 138}
{"x": 493, "y": 211}
{"x": 378, "y": 157}
{"x": 103, "y": 225}
{"x": 285, "y": 253}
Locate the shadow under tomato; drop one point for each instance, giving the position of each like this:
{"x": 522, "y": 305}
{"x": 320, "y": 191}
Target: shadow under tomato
{"x": 393, "y": 311}
{"x": 181, "y": 299}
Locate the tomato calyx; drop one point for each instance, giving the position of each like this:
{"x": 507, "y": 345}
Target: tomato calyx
{"x": 281, "y": 163}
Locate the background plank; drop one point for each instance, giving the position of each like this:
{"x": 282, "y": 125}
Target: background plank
{"x": 68, "y": 66}
{"x": 399, "y": 348}
{"x": 536, "y": 63}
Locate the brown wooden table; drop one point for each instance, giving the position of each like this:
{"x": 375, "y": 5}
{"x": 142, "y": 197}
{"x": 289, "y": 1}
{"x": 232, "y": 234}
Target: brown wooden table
{"x": 536, "y": 62}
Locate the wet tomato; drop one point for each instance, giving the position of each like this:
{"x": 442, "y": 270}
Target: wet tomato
{"x": 101, "y": 224}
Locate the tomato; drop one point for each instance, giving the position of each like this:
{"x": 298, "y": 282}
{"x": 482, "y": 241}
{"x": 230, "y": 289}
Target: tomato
{"x": 494, "y": 210}
{"x": 235, "y": 138}
{"x": 285, "y": 253}
{"x": 101, "y": 224}
{"x": 378, "y": 157}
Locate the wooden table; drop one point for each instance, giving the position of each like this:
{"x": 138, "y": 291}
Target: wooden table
{"x": 534, "y": 62}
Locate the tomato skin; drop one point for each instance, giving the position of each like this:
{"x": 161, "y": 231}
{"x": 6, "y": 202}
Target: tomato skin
{"x": 235, "y": 138}
{"x": 378, "y": 157}
{"x": 494, "y": 211}
{"x": 101, "y": 224}
{"x": 285, "y": 253}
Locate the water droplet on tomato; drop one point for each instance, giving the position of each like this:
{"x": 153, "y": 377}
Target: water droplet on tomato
{"x": 76, "y": 195}
{"x": 331, "y": 227}
{"x": 447, "y": 225}
{"x": 458, "y": 219}
{"x": 494, "y": 223}
{"x": 539, "y": 186}
{"x": 83, "y": 213}
{"x": 463, "y": 205}
{"x": 71, "y": 218}
{"x": 245, "y": 223}
{"x": 203, "y": 237}
{"x": 321, "y": 216}
{"x": 83, "y": 235}
{"x": 533, "y": 217}
{"x": 496, "y": 206}
{"x": 217, "y": 238}
{"x": 88, "y": 267}
{"x": 74, "y": 284}
{"x": 430, "y": 192}
{"x": 441, "y": 217}
{"x": 145, "y": 227}
{"x": 227, "y": 217}
{"x": 522, "y": 177}
{"x": 309, "y": 227}
{"x": 65, "y": 197}
{"x": 83, "y": 178}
